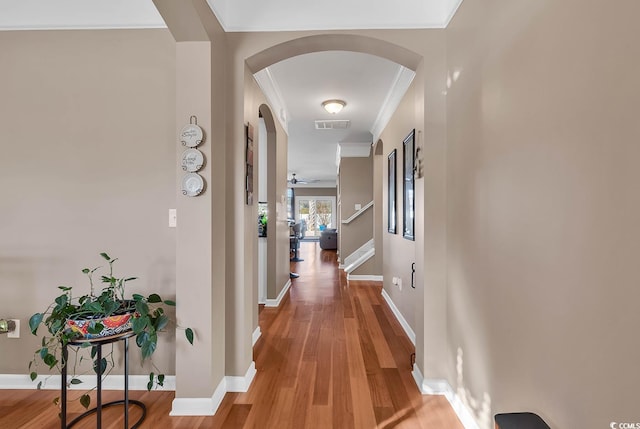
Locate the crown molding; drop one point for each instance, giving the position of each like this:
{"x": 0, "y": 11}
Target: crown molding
{"x": 354, "y": 149}
{"x": 272, "y": 93}
{"x": 398, "y": 88}
{"x": 452, "y": 12}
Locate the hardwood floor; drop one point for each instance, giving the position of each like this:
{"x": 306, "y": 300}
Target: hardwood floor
{"x": 332, "y": 356}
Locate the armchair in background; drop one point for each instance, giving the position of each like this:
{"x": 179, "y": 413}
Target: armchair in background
{"x": 329, "y": 239}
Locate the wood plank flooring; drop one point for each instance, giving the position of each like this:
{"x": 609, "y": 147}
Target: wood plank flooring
{"x": 332, "y": 356}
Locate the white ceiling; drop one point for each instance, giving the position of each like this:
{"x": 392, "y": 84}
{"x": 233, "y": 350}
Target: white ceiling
{"x": 279, "y": 15}
{"x": 371, "y": 86}
{"x": 304, "y": 82}
{"x": 235, "y": 15}
{"x": 78, "y": 14}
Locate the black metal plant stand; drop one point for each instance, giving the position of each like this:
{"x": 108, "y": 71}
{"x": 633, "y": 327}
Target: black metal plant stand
{"x": 98, "y": 343}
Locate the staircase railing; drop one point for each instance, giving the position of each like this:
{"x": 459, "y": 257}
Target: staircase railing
{"x": 359, "y": 257}
{"x": 358, "y": 213}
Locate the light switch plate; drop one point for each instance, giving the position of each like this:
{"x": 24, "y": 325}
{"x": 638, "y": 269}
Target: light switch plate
{"x": 173, "y": 218}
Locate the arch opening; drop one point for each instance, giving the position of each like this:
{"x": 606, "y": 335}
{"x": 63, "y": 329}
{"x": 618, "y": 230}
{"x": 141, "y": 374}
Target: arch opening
{"x": 334, "y": 42}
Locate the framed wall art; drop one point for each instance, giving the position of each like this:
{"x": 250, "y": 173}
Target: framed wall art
{"x": 249, "y": 164}
{"x": 408, "y": 188}
{"x": 392, "y": 215}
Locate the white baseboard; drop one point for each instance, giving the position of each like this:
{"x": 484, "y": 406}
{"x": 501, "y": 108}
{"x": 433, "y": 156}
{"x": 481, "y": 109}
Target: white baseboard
{"x": 179, "y": 406}
{"x": 400, "y": 317}
{"x": 442, "y": 387}
{"x": 341, "y": 266}
{"x": 110, "y": 382}
{"x": 256, "y": 336}
{"x": 209, "y": 406}
{"x": 242, "y": 383}
{"x": 193, "y": 407}
{"x": 276, "y": 302}
{"x": 368, "y": 278}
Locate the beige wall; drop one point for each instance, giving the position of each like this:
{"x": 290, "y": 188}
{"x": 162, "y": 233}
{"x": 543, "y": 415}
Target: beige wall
{"x": 201, "y": 274}
{"x": 278, "y": 242}
{"x": 278, "y": 256}
{"x": 525, "y": 284}
{"x": 424, "y": 308}
{"x": 315, "y": 192}
{"x": 408, "y": 47}
{"x": 87, "y": 164}
{"x": 229, "y": 280}
{"x": 379, "y": 206}
{"x": 356, "y": 187}
{"x": 199, "y": 278}
{"x": 400, "y": 252}
{"x": 544, "y": 207}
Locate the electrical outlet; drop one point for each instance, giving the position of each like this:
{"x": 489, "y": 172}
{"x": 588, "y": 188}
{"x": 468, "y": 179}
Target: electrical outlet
{"x": 16, "y": 332}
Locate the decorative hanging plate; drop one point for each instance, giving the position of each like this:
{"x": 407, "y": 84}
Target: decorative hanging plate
{"x": 192, "y": 160}
{"x": 192, "y": 184}
{"x": 191, "y": 135}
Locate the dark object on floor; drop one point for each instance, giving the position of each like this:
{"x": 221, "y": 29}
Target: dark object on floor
{"x": 520, "y": 421}
{"x": 329, "y": 239}
{"x": 295, "y": 235}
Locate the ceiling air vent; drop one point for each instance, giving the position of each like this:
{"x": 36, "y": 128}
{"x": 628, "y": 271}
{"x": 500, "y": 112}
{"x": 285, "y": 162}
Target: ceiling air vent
{"x": 333, "y": 124}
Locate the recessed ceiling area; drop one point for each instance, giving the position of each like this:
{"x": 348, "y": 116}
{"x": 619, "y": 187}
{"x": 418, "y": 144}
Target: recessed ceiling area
{"x": 304, "y": 82}
{"x": 292, "y": 15}
{"x": 234, "y": 15}
{"x": 78, "y": 14}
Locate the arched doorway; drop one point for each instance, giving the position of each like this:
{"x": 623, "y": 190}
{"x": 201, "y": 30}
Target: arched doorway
{"x": 267, "y": 152}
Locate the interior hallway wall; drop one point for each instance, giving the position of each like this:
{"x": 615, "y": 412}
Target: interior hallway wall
{"x": 87, "y": 165}
{"x": 303, "y": 191}
{"x": 201, "y": 249}
{"x": 423, "y": 51}
{"x": 278, "y": 249}
{"x": 543, "y": 208}
{"x": 399, "y": 252}
{"x": 356, "y": 187}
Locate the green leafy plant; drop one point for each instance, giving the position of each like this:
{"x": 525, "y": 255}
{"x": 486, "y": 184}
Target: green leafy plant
{"x": 147, "y": 317}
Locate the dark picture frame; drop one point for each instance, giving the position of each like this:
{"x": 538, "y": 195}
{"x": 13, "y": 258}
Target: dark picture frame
{"x": 392, "y": 212}
{"x": 249, "y": 164}
{"x": 408, "y": 186}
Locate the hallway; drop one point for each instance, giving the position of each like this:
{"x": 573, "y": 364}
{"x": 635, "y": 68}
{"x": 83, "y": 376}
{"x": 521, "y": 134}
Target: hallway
{"x": 332, "y": 356}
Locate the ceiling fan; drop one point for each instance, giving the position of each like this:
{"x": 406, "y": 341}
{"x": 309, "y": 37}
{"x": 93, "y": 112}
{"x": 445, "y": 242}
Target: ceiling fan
{"x": 295, "y": 181}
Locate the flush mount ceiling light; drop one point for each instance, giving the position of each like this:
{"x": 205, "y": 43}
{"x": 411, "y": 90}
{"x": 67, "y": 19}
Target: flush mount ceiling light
{"x": 333, "y": 106}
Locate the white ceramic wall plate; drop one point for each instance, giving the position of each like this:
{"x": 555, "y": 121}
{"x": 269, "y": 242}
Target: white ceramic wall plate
{"x": 191, "y": 135}
{"x": 192, "y": 184}
{"x": 192, "y": 160}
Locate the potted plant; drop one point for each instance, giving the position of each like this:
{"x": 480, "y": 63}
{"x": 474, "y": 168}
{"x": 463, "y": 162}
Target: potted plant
{"x": 107, "y": 312}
